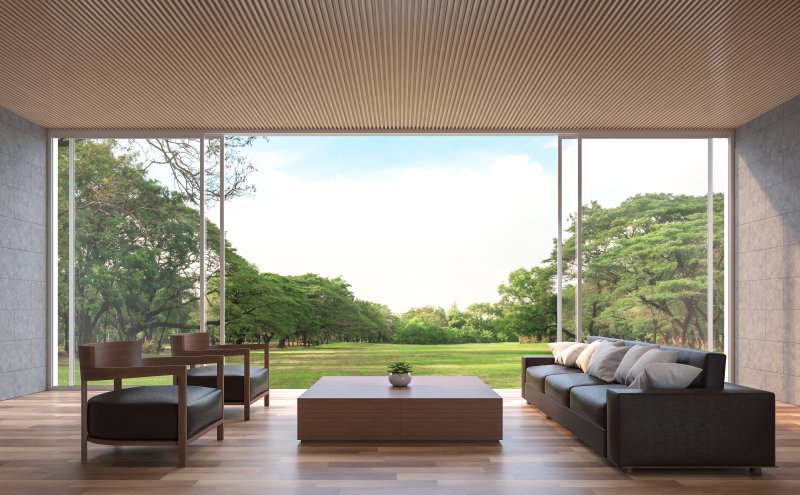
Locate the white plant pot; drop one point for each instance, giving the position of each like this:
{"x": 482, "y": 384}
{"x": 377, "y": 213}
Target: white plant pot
{"x": 400, "y": 379}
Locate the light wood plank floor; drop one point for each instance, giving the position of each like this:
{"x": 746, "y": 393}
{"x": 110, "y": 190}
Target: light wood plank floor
{"x": 40, "y": 454}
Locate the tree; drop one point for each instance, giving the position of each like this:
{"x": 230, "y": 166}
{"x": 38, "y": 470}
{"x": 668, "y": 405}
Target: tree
{"x": 261, "y": 306}
{"x": 431, "y": 315}
{"x": 334, "y": 306}
{"x": 182, "y": 157}
{"x": 644, "y": 274}
{"x": 529, "y": 303}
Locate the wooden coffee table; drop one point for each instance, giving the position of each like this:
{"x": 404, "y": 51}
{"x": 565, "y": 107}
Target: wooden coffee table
{"x": 369, "y": 409}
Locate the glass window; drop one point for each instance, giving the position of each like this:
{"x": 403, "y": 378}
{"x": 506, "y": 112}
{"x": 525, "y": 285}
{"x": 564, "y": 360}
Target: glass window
{"x": 136, "y": 218}
{"x": 645, "y": 239}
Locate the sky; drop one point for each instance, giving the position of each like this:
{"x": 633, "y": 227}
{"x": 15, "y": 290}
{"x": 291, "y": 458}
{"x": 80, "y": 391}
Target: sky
{"x": 410, "y": 221}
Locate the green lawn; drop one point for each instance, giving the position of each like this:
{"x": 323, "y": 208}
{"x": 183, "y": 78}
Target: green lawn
{"x": 297, "y": 367}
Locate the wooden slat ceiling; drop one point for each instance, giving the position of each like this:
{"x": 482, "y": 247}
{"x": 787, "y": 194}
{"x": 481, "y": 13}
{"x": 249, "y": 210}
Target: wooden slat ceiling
{"x": 397, "y": 65}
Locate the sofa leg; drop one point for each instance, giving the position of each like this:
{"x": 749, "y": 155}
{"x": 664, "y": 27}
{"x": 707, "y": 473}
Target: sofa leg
{"x": 756, "y": 471}
{"x": 266, "y": 400}
{"x": 247, "y": 412}
{"x": 221, "y": 432}
{"x": 627, "y": 470}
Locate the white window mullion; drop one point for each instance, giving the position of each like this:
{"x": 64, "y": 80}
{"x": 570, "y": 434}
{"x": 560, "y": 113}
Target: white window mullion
{"x": 579, "y": 249}
{"x": 710, "y": 248}
{"x": 71, "y": 275}
{"x": 222, "y": 239}
{"x": 202, "y": 305}
{"x": 560, "y": 248}
{"x": 52, "y": 259}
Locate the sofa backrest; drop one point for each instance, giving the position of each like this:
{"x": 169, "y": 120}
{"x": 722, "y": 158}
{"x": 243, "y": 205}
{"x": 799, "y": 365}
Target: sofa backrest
{"x": 712, "y": 363}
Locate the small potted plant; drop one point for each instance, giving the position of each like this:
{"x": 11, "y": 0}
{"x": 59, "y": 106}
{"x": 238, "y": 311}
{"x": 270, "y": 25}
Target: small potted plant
{"x": 399, "y": 374}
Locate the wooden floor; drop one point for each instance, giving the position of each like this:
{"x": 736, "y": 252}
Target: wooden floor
{"x": 40, "y": 454}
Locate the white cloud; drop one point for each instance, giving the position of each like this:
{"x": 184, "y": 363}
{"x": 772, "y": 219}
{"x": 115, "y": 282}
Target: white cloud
{"x": 410, "y": 237}
{"x": 436, "y": 235}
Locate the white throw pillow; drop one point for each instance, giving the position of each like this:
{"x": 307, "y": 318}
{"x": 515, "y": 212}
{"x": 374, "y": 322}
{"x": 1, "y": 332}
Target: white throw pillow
{"x": 666, "y": 375}
{"x": 654, "y": 356}
{"x": 605, "y": 361}
{"x": 569, "y": 355}
{"x": 586, "y": 356}
{"x": 629, "y": 360}
{"x": 557, "y": 347}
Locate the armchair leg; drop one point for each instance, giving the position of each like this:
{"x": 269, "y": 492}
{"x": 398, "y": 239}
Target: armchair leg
{"x": 266, "y": 400}
{"x": 247, "y": 412}
{"x": 182, "y": 455}
{"x": 220, "y": 432}
{"x": 755, "y": 470}
{"x": 84, "y": 427}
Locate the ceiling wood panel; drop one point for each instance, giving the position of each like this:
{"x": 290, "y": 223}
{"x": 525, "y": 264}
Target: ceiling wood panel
{"x": 397, "y": 65}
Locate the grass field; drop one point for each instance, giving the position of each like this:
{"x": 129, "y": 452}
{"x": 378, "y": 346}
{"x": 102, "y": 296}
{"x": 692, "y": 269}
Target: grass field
{"x": 297, "y": 367}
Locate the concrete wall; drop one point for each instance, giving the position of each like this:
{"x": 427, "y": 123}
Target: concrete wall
{"x": 768, "y": 252}
{"x": 23, "y": 347}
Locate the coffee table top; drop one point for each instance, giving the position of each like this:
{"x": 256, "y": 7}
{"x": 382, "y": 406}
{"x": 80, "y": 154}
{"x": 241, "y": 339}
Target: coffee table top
{"x": 378, "y": 387}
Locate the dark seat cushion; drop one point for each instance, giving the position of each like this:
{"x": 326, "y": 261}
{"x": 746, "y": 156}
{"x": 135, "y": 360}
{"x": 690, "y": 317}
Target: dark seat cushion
{"x": 150, "y": 413}
{"x": 559, "y": 386}
{"x": 206, "y": 376}
{"x": 590, "y": 402}
{"x": 537, "y": 374}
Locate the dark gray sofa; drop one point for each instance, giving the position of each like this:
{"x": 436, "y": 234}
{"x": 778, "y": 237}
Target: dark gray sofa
{"x": 709, "y": 424}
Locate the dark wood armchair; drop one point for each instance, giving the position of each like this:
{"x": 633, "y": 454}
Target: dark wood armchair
{"x": 148, "y": 415}
{"x": 244, "y": 385}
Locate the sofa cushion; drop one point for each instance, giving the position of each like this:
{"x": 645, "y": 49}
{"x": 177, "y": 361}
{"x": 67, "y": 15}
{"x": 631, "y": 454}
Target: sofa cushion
{"x": 586, "y": 355}
{"x": 605, "y": 362}
{"x": 633, "y": 355}
{"x": 559, "y": 386}
{"x": 666, "y": 376}
{"x": 654, "y": 356}
{"x": 569, "y": 356}
{"x": 150, "y": 413}
{"x": 712, "y": 364}
{"x": 590, "y": 402}
{"x": 557, "y": 347}
{"x": 537, "y": 374}
{"x": 206, "y": 376}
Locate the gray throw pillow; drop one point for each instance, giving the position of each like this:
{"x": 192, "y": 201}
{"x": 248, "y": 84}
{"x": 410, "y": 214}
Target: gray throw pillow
{"x": 585, "y": 359}
{"x": 654, "y": 356}
{"x": 629, "y": 360}
{"x": 606, "y": 360}
{"x": 666, "y": 375}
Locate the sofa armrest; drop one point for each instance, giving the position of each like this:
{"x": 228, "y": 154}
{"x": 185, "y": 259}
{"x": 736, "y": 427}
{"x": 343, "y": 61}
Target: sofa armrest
{"x": 528, "y": 361}
{"x": 733, "y": 426}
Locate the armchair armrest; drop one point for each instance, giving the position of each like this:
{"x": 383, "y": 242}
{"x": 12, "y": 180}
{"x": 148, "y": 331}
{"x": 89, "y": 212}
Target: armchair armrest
{"x": 252, "y": 347}
{"x": 160, "y": 366}
{"x": 733, "y": 426}
{"x": 184, "y": 360}
{"x": 211, "y": 351}
{"x": 117, "y": 373}
{"x": 528, "y": 361}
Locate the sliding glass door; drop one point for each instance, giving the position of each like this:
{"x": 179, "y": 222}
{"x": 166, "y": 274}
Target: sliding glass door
{"x": 614, "y": 236}
{"x": 128, "y": 244}
{"x": 651, "y": 235}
